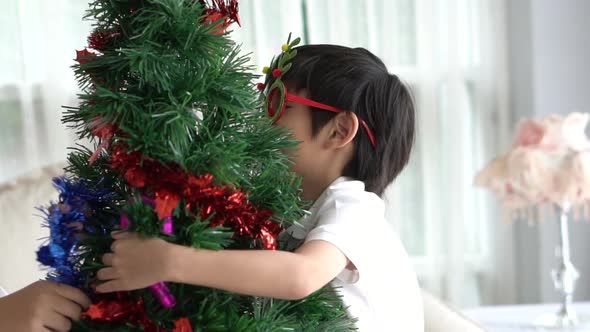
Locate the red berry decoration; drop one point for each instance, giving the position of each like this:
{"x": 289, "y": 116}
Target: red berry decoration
{"x": 276, "y": 73}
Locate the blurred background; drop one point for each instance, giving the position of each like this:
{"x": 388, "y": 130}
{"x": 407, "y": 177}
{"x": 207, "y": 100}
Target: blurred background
{"x": 475, "y": 67}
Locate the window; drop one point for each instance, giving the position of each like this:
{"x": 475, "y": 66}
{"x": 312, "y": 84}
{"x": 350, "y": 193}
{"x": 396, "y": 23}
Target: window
{"x": 443, "y": 50}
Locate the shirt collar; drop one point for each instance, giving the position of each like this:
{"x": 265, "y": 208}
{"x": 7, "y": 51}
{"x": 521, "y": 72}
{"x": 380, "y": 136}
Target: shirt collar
{"x": 300, "y": 229}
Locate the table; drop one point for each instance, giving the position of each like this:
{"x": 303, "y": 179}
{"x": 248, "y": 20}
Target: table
{"x": 521, "y": 317}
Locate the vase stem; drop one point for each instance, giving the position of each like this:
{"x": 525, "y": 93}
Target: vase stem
{"x": 565, "y": 276}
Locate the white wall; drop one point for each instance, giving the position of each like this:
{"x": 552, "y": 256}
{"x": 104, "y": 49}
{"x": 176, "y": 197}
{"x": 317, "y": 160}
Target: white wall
{"x": 549, "y": 57}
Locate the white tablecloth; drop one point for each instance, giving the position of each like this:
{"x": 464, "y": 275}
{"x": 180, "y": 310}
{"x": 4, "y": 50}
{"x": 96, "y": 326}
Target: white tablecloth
{"x": 522, "y": 317}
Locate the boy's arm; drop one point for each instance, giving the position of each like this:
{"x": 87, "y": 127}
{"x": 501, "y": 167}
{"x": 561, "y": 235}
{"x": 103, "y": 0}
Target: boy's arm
{"x": 278, "y": 274}
{"x": 138, "y": 263}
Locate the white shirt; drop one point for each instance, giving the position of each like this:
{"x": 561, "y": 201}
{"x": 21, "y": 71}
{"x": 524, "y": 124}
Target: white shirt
{"x": 383, "y": 292}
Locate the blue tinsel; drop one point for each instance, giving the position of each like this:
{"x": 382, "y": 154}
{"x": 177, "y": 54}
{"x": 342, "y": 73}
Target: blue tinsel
{"x": 77, "y": 199}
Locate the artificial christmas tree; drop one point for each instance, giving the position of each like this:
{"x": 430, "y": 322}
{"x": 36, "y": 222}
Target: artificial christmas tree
{"x": 182, "y": 151}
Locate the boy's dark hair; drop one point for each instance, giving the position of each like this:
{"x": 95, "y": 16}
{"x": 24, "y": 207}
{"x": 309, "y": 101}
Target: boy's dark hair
{"x": 355, "y": 80}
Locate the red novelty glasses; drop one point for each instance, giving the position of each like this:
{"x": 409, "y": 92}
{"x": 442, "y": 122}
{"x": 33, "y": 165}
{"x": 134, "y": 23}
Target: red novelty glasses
{"x": 276, "y": 107}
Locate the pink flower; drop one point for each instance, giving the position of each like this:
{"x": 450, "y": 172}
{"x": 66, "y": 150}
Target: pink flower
{"x": 549, "y": 162}
{"x": 554, "y": 133}
{"x": 529, "y": 173}
{"x": 529, "y": 132}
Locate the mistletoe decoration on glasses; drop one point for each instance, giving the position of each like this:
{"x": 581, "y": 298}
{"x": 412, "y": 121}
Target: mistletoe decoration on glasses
{"x": 273, "y": 81}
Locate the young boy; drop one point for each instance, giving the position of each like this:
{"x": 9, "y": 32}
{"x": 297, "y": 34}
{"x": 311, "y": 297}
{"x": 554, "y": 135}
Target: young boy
{"x": 355, "y": 122}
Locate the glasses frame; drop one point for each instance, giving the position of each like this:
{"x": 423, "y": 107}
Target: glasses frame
{"x": 285, "y": 97}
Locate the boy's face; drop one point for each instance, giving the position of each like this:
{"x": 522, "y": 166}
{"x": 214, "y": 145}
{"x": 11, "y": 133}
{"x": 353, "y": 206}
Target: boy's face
{"x": 297, "y": 118}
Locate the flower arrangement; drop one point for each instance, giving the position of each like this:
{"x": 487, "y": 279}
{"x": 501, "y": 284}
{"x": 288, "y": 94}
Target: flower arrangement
{"x": 549, "y": 163}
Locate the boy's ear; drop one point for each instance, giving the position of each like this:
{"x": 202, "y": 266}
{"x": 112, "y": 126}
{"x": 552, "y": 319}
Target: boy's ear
{"x": 343, "y": 129}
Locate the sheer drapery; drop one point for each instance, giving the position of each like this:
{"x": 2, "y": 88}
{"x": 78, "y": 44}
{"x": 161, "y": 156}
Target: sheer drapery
{"x": 37, "y": 42}
{"x": 451, "y": 53}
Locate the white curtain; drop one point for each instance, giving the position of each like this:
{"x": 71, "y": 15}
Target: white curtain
{"x": 451, "y": 53}
{"x": 37, "y": 44}
{"x": 38, "y": 40}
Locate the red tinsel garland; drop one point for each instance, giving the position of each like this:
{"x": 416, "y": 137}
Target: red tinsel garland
{"x": 182, "y": 325}
{"x": 227, "y": 8}
{"x": 224, "y": 205}
{"x": 120, "y": 308}
{"x": 105, "y": 132}
{"x": 222, "y": 9}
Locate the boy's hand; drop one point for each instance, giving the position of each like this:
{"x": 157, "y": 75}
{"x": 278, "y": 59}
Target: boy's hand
{"x": 134, "y": 263}
{"x": 42, "y": 306}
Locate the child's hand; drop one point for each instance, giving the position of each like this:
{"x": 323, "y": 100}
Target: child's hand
{"x": 134, "y": 263}
{"x": 42, "y": 306}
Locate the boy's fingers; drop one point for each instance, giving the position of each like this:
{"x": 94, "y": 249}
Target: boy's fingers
{"x": 73, "y": 294}
{"x": 68, "y": 308}
{"x": 117, "y": 235}
{"x": 110, "y": 286}
{"x": 57, "y": 323}
{"x": 107, "y": 273}
{"x": 107, "y": 259}
{"x": 122, "y": 235}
